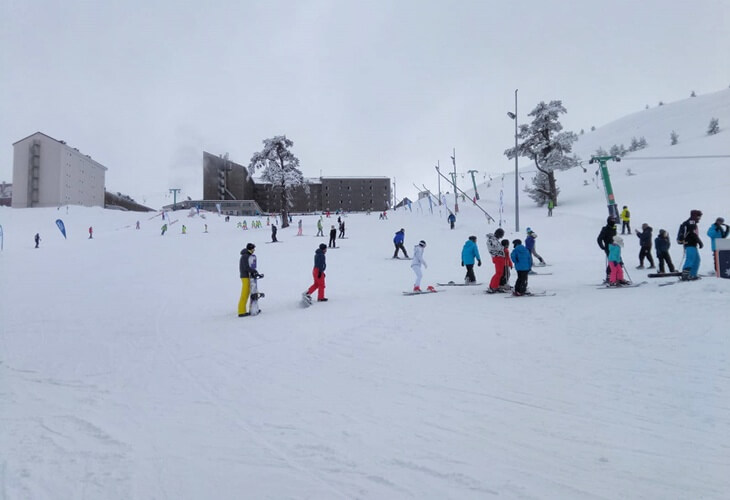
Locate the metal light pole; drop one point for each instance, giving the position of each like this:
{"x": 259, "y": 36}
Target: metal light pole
{"x": 517, "y": 174}
{"x": 456, "y": 196}
{"x": 438, "y": 166}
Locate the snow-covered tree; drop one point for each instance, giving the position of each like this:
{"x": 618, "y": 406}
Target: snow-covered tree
{"x": 544, "y": 142}
{"x": 714, "y": 126}
{"x": 582, "y": 131}
{"x": 615, "y": 150}
{"x": 601, "y": 152}
{"x": 642, "y": 142}
{"x": 280, "y": 168}
{"x": 593, "y": 128}
{"x": 673, "y": 138}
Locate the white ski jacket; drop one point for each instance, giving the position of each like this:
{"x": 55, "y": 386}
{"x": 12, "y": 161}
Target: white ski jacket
{"x": 418, "y": 257}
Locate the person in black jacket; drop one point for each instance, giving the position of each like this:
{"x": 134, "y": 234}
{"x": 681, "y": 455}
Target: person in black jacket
{"x": 688, "y": 235}
{"x": 247, "y": 271}
{"x": 645, "y": 243}
{"x": 662, "y": 244}
{"x": 333, "y": 237}
{"x": 605, "y": 238}
{"x": 320, "y": 264}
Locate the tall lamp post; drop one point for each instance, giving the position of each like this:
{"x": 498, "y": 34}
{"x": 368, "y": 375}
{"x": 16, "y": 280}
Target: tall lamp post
{"x": 517, "y": 175}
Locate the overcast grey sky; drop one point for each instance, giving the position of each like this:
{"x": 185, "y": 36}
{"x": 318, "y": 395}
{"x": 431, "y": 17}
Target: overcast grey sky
{"x": 361, "y": 87}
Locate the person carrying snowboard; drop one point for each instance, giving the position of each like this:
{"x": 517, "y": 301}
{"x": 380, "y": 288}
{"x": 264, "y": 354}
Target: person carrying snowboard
{"x": 523, "y": 264}
{"x": 417, "y": 263}
{"x": 688, "y": 236}
{"x": 717, "y": 231}
{"x": 530, "y": 244}
{"x": 645, "y": 244}
{"x": 320, "y": 264}
{"x": 398, "y": 240}
{"x": 605, "y": 238}
{"x": 497, "y": 252}
{"x": 333, "y": 237}
{"x": 662, "y": 244}
{"x": 247, "y": 270}
{"x": 469, "y": 254}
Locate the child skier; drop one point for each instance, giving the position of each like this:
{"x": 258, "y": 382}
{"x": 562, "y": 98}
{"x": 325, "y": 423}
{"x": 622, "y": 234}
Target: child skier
{"x": 615, "y": 262}
{"x": 530, "y": 244}
{"x": 504, "y": 281}
{"x": 523, "y": 264}
{"x": 416, "y": 265}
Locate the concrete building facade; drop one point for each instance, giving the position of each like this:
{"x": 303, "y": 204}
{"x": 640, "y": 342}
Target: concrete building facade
{"x": 49, "y": 173}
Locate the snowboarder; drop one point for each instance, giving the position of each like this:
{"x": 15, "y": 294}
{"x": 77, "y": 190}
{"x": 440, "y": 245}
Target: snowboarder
{"x": 605, "y": 238}
{"x": 37, "y": 239}
{"x": 273, "y": 233}
{"x": 452, "y": 219}
{"x": 164, "y": 229}
{"x": 530, "y": 244}
{"x": 299, "y": 228}
{"x": 497, "y": 252}
{"x": 333, "y": 236}
{"x": 615, "y": 262}
{"x": 398, "y": 240}
{"x": 688, "y": 236}
{"x": 91, "y": 233}
{"x": 716, "y": 232}
{"x": 417, "y": 263}
{"x": 645, "y": 243}
{"x": 248, "y": 272}
{"x": 661, "y": 245}
{"x": 319, "y": 227}
{"x": 625, "y": 220}
{"x": 320, "y": 264}
{"x": 470, "y": 253}
{"x": 523, "y": 264}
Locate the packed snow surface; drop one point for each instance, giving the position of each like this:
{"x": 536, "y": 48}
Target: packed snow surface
{"x": 126, "y": 373}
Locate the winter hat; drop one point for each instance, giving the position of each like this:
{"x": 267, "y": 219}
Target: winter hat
{"x": 473, "y": 238}
{"x": 611, "y": 219}
{"x": 322, "y": 246}
{"x": 505, "y": 243}
{"x": 517, "y": 242}
{"x": 720, "y": 220}
{"x": 644, "y": 225}
{"x": 402, "y": 230}
{"x": 695, "y": 213}
{"x": 422, "y": 243}
{"x": 529, "y": 230}
{"x": 499, "y": 232}
{"x": 250, "y": 246}
{"x": 618, "y": 240}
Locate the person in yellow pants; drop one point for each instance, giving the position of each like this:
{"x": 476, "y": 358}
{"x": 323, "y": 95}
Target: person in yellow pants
{"x": 247, "y": 268}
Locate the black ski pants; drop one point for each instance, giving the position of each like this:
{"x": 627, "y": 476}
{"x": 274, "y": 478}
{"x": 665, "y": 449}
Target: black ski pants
{"x": 645, "y": 252}
{"x": 399, "y": 246}
{"x": 521, "y": 284}
{"x": 664, "y": 257}
{"x": 470, "y": 278}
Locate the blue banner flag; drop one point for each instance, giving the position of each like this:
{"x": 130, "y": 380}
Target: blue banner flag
{"x": 61, "y": 227}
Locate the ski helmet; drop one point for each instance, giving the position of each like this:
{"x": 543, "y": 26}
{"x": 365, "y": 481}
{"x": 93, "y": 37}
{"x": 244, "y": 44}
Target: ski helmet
{"x": 422, "y": 243}
{"x": 250, "y": 246}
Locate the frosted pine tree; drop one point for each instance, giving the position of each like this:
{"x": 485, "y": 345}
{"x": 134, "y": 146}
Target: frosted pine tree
{"x": 281, "y": 169}
{"x": 714, "y": 126}
{"x": 544, "y": 142}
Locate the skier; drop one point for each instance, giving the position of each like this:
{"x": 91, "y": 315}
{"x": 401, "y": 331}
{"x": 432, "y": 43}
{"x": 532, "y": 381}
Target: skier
{"x": 333, "y": 237}
{"x": 400, "y": 236}
{"x": 645, "y": 243}
{"x": 320, "y": 264}
{"x": 319, "y": 227}
{"x": 37, "y": 239}
{"x": 497, "y": 252}
{"x": 247, "y": 270}
{"x": 416, "y": 266}
{"x": 164, "y": 229}
{"x": 716, "y": 232}
{"x": 504, "y": 281}
{"x": 469, "y": 253}
{"x": 523, "y": 264}
{"x": 625, "y": 220}
{"x": 91, "y": 233}
{"x": 605, "y": 237}
{"x": 273, "y": 233}
{"x": 662, "y": 244}
{"x": 530, "y": 244}
{"x": 299, "y": 228}
{"x": 342, "y": 229}
{"x": 137, "y": 227}
{"x": 615, "y": 262}
{"x": 688, "y": 236}
{"x": 184, "y": 229}
{"x": 452, "y": 219}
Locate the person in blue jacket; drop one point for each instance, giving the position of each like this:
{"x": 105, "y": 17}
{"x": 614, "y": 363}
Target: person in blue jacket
{"x": 662, "y": 244}
{"x": 470, "y": 254}
{"x": 398, "y": 240}
{"x": 716, "y": 232}
{"x": 522, "y": 260}
{"x": 452, "y": 219}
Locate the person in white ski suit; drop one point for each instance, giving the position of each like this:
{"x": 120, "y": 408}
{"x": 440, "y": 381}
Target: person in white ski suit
{"x": 417, "y": 263}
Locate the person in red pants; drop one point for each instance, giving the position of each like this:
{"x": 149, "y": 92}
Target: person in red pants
{"x": 497, "y": 252}
{"x": 320, "y": 264}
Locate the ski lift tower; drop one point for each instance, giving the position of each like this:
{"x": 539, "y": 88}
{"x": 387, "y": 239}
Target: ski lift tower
{"x": 610, "y": 198}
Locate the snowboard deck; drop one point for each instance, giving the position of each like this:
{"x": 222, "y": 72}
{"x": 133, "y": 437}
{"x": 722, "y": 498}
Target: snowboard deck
{"x": 255, "y": 295}
{"x": 665, "y": 275}
{"x": 453, "y": 283}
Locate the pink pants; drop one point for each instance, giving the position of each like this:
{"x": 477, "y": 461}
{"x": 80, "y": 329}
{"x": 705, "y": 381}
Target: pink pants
{"x": 617, "y": 272}
{"x": 318, "y": 284}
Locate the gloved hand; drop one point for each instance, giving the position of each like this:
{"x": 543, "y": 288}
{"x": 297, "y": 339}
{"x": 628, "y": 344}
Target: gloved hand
{"x": 701, "y": 244}
{"x": 479, "y": 263}
{"x": 462, "y": 263}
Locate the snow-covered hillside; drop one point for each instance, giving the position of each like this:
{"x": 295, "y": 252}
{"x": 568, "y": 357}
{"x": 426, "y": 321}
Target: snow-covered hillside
{"x": 126, "y": 373}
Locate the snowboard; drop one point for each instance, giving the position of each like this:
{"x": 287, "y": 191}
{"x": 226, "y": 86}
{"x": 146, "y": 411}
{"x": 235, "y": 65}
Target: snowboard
{"x": 533, "y": 294}
{"x": 400, "y": 258}
{"x": 453, "y": 283}
{"x": 306, "y": 300}
{"x": 632, "y": 285}
{"x": 277, "y": 241}
{"x": 677, "y": 281}
{"x": 665, "y": 275}
{"x": 255, "y": 296}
